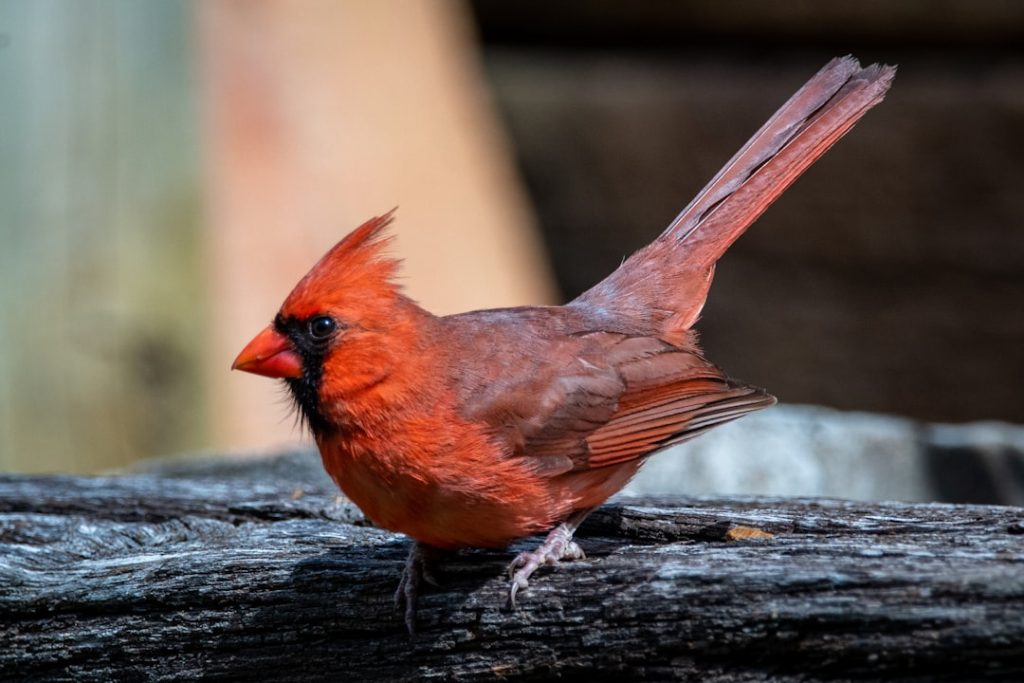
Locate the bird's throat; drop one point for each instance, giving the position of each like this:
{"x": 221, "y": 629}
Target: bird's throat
{"x": 305, "y": 393}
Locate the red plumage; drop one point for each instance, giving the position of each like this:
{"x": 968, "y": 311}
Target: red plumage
{"x": 480, "y": 428}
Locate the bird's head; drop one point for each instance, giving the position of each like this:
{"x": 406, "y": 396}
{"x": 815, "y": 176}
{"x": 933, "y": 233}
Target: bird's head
{"x": 341, "y": 331}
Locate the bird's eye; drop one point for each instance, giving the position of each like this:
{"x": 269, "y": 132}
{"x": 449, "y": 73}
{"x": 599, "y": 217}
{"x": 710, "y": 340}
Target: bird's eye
{"x": 322, "y": 327}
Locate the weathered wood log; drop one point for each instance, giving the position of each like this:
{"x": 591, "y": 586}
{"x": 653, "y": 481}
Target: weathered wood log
{"x": 152, "y": 578}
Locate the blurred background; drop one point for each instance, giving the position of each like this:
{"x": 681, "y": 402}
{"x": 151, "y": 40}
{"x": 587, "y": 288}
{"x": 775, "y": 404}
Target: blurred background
{"x": 171, "y": 169}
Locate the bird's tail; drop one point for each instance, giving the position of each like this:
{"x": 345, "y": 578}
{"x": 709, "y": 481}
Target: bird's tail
{"x": 666, "y": 282}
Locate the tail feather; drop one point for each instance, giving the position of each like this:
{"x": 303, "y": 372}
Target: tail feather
{"x": 666, "y": 282}
{"x": 720, "y": 215}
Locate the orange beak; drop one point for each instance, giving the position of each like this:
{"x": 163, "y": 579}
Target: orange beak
{"x": 270, "y": 354}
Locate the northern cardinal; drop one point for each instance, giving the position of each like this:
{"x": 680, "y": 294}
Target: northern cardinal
{"x": 477, "y": 429}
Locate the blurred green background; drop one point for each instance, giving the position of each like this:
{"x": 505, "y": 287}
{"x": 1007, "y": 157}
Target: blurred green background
{"x": 100, "y": 286}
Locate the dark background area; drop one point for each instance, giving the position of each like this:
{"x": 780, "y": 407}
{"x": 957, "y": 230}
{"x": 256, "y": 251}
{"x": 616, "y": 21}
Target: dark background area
{"x": 889, "y": 278}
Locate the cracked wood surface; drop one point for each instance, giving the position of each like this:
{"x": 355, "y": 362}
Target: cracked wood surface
{"x": 154, "y": 578}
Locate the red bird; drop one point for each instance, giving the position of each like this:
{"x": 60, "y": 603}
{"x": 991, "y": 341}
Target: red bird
{"x": 477, "y": 429}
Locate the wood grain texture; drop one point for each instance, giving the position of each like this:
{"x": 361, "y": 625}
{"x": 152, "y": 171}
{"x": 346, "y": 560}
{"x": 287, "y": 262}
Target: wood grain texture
{"x": 151, "y": 578}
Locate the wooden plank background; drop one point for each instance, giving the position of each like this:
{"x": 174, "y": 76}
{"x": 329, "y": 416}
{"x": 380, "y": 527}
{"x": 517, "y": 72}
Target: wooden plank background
{"x": 101, "y": 299}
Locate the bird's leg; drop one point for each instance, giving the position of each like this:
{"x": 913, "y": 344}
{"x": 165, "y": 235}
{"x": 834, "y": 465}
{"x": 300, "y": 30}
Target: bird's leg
{"x": 418, "y": 569}
{"x": 556, "y": 547}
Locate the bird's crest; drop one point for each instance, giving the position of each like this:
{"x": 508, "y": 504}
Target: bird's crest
{"x": 356, "y": 272}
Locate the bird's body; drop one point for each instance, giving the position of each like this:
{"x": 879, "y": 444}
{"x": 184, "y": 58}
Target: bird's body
{"x": 477, "y": 429}
{"x": 482, "y": 466}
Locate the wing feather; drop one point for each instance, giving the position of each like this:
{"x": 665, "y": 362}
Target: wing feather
{"x": 661, "y": 394}
{"x": 648, "y": 431}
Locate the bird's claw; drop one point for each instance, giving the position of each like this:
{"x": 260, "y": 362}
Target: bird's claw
{"x": 556, "y": 547}
{"x": 418, "y": 570}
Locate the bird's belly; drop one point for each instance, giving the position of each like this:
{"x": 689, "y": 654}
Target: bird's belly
{"x": 446, "y": 507}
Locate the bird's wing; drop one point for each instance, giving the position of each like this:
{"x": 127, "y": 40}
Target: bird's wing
{"x": 671, "y": 396}
{"x": 619, "y": 398}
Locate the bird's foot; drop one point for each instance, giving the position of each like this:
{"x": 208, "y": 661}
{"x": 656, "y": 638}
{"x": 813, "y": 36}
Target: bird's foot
{"x": 418, "y": 569}
{"x": 556, "y": 547}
